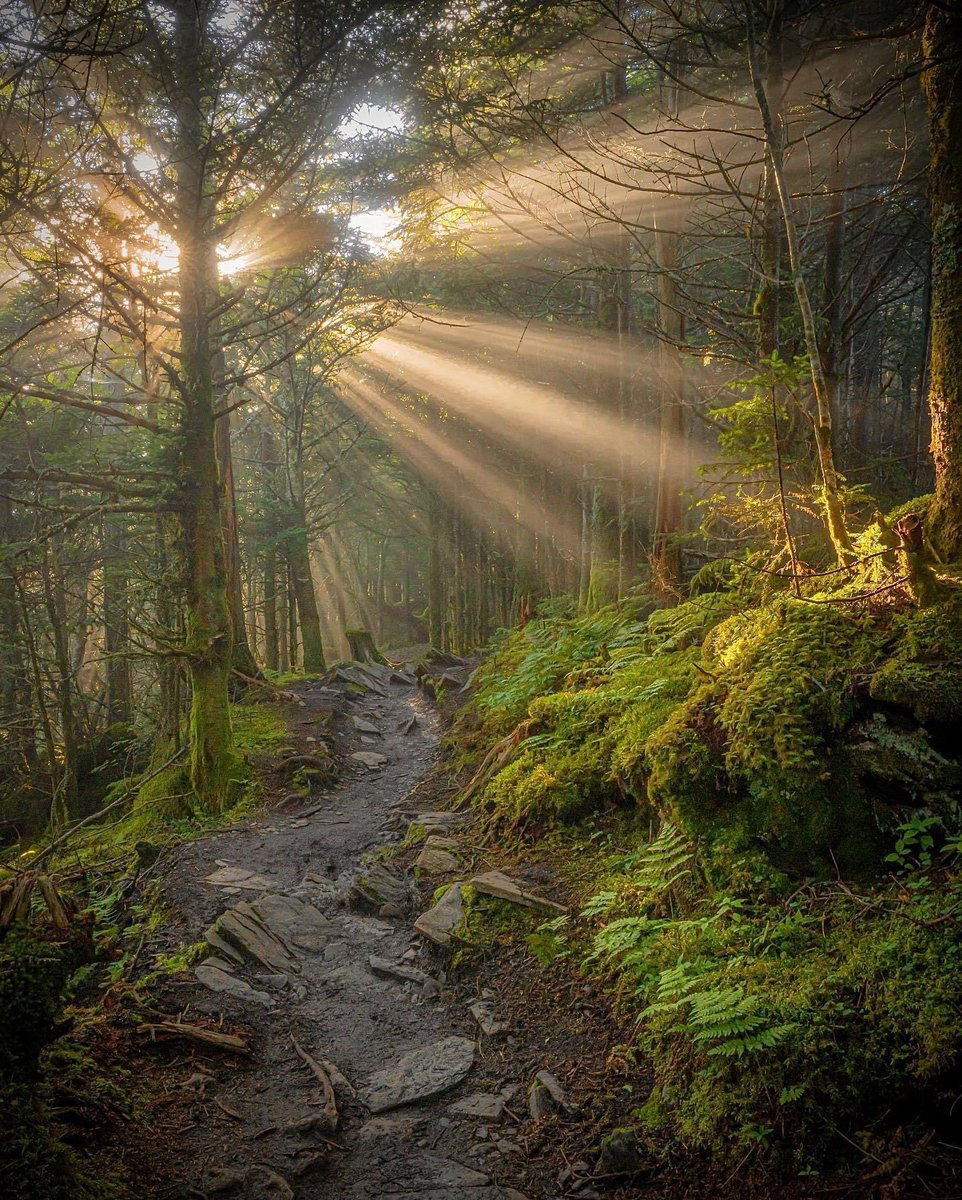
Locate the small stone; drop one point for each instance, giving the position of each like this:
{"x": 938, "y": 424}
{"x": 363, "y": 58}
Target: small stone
{"x": 483, "y": 1013}
{"x": 506, "y": 1147}
{"x": 277, "y": 982}
{"x": 370, "y": 759}
{"x": 363, "y": 726}
{"x": 436, "y": 842}
{"x": 539, "y": 1102}
{"x": 392, "y": 970}
{"x": 622, "y": 1153}
{"x": 433, "y": 861}
{"x": 440, "y": 922}
{"x": 502, "y": 887}
{"x": 215, "y": 974}
{"x": 554, "y": 1090}
{"x": 239, "y": 877}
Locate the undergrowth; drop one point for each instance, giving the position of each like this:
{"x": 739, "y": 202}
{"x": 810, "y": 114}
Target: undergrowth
{"x": 781, "y": 916}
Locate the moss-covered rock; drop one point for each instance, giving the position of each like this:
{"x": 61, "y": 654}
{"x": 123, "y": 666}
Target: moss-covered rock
{"x": 924, "y": 674}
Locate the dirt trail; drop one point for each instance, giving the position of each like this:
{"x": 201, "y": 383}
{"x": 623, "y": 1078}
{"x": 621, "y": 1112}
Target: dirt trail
{"x": 255, "y": 1127}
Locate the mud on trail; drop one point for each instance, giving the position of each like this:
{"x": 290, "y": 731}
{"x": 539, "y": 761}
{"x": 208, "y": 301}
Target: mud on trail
{"x": 330, "y": 985}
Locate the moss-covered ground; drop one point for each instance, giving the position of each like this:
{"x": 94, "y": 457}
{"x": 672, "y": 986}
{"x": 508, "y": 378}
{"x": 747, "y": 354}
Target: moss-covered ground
{"x": 753, "y": 800}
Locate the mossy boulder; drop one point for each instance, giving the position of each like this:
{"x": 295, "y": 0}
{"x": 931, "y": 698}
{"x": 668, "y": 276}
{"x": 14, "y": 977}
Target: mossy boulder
{"x": 924, "y": 675}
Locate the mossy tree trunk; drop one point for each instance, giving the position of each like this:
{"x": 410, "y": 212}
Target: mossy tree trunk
{"x": 116, "y": 618}
{"x": 208, "y": 634}
{"x": 942, "y": 83}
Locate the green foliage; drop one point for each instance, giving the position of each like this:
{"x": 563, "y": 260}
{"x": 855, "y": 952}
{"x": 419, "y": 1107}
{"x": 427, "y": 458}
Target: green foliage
{"x": 32, "y": 974}
{"x": 258, "y": 729}
{"x": 533, "y": 661}
{"x": 607, "y": 682}
{"x": 548, "y": 943}
{"x": 799, "y": 1017}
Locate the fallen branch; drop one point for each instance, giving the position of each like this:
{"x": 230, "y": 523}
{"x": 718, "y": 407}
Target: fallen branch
{"x": 331, "y": 1115}
{"x": 198, "y": 1034}
{"x": 495, "y": 760}
{"x": 265, "y": 683}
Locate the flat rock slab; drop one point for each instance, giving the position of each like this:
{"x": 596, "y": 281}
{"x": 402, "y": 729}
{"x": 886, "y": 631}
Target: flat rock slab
{"x": 439, "y": 822}
{"x": 239, "y": 877}
{"x": 488, "y": 1105}
{"x": 240, "y": 928}
{"x": 395, "y": 970}
{"x": 441, "y": 922}
{"x": 436, "y": 861}
{"x": 419, "y": 1074}
{"x": 502, "y": 887}
{"x": 436, "y": 842}
{"x": 363, "y": 726}
{"x": 380, "y": 885}
{"x": 370, "y": 759}
{"x": 294, "y": 921}
{"x": 215, "y": 974}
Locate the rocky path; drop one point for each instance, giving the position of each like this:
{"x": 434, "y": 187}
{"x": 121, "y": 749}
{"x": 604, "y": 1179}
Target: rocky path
{"x": 316, "y": 960}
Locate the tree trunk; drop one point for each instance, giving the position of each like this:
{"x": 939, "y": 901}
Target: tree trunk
{"x": 824, "y": 400}
{"x": 666, "y": 552}
{"x": 243, "y": 659}
{"x": 64, "y": 805}
{"x": 117, "y": 625}
{"x": 271, "y": 638}
{"x": 213, "y": 765}
{"x": 299, "y": 559}
{"x": 942, "y": 82}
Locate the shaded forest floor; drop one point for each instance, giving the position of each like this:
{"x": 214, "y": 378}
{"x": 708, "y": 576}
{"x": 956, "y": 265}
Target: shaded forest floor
{"x": 210, "y": 1122}
{"x": 250, "y": 1124}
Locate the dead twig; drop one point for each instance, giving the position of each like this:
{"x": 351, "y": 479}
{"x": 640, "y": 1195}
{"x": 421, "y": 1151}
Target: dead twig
{"x": 331, "y": 1115}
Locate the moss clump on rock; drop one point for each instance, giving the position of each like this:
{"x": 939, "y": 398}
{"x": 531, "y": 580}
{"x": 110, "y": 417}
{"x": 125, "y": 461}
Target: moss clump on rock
{"x": 924, "y": 674}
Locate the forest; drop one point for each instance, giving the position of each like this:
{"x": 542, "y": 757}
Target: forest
{"x": 480, "y": 599}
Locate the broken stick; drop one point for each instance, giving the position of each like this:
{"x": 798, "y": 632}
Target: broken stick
{"x": 197, "y": 1033}
{"x": 331, "y": 1115}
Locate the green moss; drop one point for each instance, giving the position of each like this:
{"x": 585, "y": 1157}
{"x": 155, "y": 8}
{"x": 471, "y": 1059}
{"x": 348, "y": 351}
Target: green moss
{"x": 586, "y": 745}
{"x": 756, "y": 755}
{"x": 924, "y": 675}
{"x": 843, "y": 1020}
{"x": 167, "y": 796}
{"x": 258, "y": 729}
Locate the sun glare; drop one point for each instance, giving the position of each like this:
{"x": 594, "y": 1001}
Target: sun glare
{"x": 372, "y": 118}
